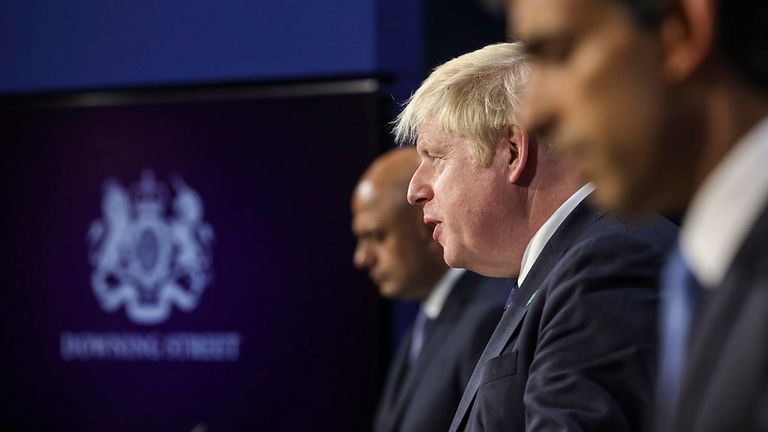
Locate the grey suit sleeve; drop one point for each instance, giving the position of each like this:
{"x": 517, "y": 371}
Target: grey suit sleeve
{"x": 593, "y": 367}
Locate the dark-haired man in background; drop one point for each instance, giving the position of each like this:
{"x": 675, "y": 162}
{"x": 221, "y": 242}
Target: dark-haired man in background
{"x": 459, "y": 309}
{"x": 664, "y": 104}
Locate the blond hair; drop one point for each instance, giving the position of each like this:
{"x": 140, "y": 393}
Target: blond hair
{"x": 475, "y": 95}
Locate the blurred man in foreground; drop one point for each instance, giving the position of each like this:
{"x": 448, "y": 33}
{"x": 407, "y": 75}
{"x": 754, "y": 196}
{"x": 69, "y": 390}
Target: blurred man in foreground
{"x": 459, "y": 309}
{"x": 575, "y": 347}
{"x": 664, "y": 104}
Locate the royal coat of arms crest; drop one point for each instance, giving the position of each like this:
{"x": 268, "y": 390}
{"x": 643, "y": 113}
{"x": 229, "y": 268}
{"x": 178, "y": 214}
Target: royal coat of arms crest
{"x": 148, "y": 257}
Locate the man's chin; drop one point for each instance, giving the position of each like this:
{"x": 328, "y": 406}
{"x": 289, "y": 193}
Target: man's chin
{"x": 452, "y": 260}
{"x": 389, "y": 291}
{"x": 626, "y": 200}
{"x": 461, "y": 262}
{"x": 608, "y": 197}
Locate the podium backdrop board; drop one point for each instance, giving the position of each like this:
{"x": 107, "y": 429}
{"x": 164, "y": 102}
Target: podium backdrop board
{"x": 183, "y": 262}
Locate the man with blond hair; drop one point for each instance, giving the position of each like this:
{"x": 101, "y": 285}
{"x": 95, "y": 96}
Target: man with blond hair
{"x": 458, "y": 310}
{"x": 575, "y": 347}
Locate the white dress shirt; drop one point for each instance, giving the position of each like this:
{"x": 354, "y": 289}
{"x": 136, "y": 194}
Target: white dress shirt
{"x": 545, "y": 232}
{"x": 725, "y": 208}
{"x": 434, "y": 303}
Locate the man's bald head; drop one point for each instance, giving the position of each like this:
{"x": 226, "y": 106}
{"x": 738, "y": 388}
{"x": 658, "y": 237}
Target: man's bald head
{"x": 394, "y": 244}
{"x": 385, "y": 182}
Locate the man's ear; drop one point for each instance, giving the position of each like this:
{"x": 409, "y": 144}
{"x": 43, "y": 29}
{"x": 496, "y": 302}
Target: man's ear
{"x": 687, "y": 34}
{"x": 516, "y": 151}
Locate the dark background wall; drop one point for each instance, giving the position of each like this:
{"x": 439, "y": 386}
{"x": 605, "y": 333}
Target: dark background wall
{"x": 270, "y": 109}
{"x": 284, "y": 332}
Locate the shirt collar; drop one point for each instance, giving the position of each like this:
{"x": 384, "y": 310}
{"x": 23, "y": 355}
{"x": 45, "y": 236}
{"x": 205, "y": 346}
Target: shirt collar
{"x": 545, "y": 232}
{"x": 434, "y": 303}
{"x": 725, "y": 207}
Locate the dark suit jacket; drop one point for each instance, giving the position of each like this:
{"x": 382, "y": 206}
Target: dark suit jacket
{"x": 576, "y": 348}
{"x": 424, "y": 399}
{"x": 725, "y": 387}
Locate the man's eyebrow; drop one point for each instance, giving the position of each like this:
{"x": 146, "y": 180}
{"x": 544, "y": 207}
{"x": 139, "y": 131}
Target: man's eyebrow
{"x": 363, "y": 233}
{"x": 536, "y": 44}
{"x": 420, "y": 149}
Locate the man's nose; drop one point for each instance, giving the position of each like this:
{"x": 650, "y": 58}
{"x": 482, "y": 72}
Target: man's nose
{"x": 419, "y": 190}
{"x": 363, "y": 257}
{"x": 536, "y": 113}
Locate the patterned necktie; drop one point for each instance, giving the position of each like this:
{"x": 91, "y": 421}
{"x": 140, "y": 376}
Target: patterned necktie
{"x": 681, "y": 295}
{"x": 418, "y": 336}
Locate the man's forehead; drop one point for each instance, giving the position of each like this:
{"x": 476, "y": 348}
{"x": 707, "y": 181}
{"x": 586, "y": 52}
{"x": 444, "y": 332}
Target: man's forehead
{"x": 432, "y": 135}
{"x": 426, "y": 132}
{"x": 423, "y": 141}
{"x": 365, "y": 191}
{"x": 373, "y": 216}
{"x": 365, "y": 214}
{"x": 375, "y": 200}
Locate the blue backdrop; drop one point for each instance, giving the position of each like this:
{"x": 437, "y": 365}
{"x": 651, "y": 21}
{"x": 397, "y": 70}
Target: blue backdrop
{"x": 48, "y": 45}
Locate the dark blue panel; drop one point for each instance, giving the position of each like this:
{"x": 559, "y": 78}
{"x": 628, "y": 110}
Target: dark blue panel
{"x": 401, "y": 45}
{"x": 53, "y": 45}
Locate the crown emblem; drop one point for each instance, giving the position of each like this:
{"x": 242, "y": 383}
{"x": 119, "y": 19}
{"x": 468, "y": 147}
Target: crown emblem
{"x": 147, "y": 257}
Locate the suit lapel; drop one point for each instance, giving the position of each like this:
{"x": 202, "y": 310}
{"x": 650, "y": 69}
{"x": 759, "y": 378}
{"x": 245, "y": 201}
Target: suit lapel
{"x": 414, "y": 376}
{"x": 502, "y": 336}
{"x": 561, "y": 240}
{"x": 704, "y": 349}
{"x": 392, "y": 391}
{"x": 440, "y": 332}
{"x": 714, "y": 326}
{"x": 514, "y": 315}
{"x": 400, "y": 373}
